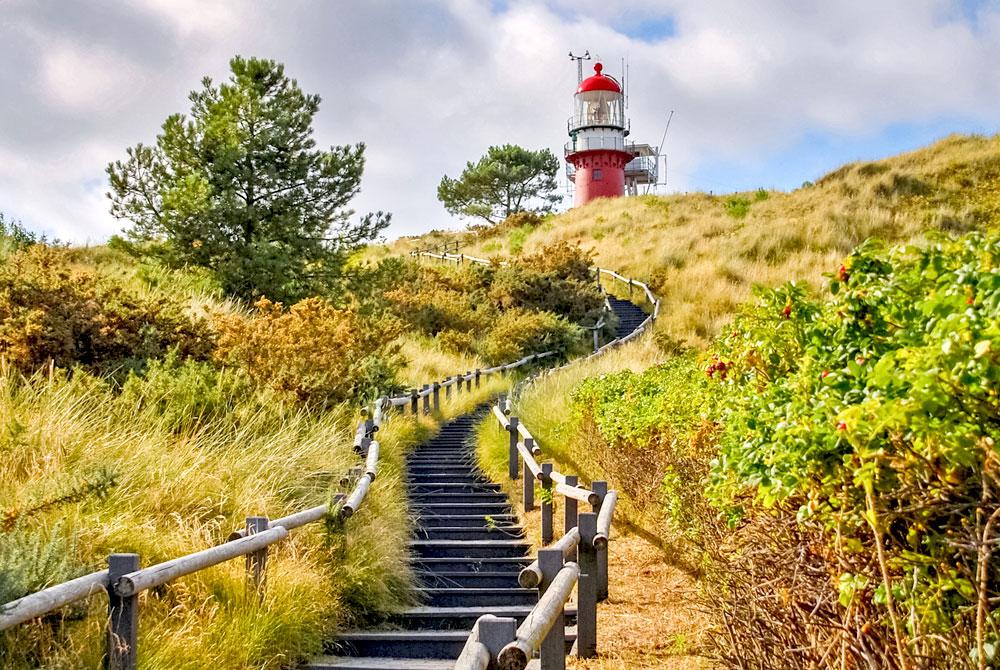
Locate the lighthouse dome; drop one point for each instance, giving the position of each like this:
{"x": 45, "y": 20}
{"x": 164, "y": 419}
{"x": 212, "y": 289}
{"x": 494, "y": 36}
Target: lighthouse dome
{"x": 599, "y": 82}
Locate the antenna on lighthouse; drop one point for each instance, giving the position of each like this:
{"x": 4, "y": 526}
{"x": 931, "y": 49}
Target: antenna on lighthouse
{"x": 659, "y": 150}
{"x": 579, "y": 64}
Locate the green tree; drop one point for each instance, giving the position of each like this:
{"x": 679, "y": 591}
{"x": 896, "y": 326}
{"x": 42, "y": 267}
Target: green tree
{"x": 239, "y": 188}
{"x": 506, "y": 180}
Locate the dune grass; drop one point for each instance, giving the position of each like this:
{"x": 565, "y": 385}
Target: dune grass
{"x": 88, "y": 470}
{"x": 701, "y": 253}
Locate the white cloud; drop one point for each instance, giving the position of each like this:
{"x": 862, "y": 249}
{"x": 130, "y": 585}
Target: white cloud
{"x": 429, "y": 85}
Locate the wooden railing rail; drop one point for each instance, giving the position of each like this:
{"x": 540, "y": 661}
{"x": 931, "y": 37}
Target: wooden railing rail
{"x": 572, "y": 561}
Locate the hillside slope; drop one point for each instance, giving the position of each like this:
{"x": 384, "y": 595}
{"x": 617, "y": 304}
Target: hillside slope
{"x": 701, "y": 253}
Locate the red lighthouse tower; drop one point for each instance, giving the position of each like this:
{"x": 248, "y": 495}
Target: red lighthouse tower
{"x": 597, "y": 132}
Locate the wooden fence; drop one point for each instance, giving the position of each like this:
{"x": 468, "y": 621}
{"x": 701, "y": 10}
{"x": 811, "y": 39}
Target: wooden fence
{"x": 579, "y": 558}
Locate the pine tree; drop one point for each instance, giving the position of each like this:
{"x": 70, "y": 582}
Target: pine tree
{"x": 238, "y": 187}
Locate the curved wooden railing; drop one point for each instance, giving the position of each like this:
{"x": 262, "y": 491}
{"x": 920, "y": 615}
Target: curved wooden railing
{"x": 123, "y": 580}
{"x": 579, "y": 558}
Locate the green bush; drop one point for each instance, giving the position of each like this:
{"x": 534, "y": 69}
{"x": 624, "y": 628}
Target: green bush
{"x": 517, "y": 333}
{"x": 836, "y": 462}
{"x": 51, "y": 313}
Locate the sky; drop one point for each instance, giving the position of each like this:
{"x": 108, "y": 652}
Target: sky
{"x": 765, "y": 94}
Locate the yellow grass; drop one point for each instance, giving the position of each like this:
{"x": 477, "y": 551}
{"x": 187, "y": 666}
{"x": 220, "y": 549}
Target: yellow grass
{"x": 702, "y": 261}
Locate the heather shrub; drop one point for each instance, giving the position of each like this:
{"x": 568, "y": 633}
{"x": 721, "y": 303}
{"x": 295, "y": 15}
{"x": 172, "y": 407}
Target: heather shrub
{"x": 312, "y": 352}
{"x": 518, "y": 332}
{"x": 53, "y": 314}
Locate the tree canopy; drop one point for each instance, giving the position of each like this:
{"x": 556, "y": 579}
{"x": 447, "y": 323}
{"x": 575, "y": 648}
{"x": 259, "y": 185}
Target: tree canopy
{"x": 238, "y": 187}
{"x": 507, "y": 180}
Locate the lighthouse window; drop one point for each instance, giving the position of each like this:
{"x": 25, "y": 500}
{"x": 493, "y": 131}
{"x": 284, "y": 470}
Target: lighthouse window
{"x": 597, "y": 175}
{"x": 599, "y": 108}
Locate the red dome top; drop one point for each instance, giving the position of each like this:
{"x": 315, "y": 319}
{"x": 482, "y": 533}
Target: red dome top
{"x": 599, "y": 82}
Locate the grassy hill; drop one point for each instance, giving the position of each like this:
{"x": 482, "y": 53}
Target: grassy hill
{"x": 805, "y": 468}
{"x": 701, "y": 253}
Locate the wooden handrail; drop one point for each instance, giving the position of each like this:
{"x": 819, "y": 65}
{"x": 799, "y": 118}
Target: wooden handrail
{"x": 52, "y": 598}
{"x": 531, "y": 576}
{"x": 536, "y": 626}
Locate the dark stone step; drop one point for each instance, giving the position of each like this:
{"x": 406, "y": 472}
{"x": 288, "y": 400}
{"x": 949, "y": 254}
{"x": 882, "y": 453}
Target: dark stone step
{"x": 446, "y": 478}
{"x": 426, "y": 510}
{"x": 402, "y": 644}
{"x": 469, "y": 580}
{"x": 478, "y": 597}
{"x": 464, "y": 520}
{"x": 512, "y": 564}
{"x": 463, "y": 618}
{"x": 452, "y": 488}
{"x": 423, "y": 644}
{"x": 374, "y": 663}
{"x": 422, "y": 498}
{"x": 485, "y": 533}
{"x": 470, "y": 548}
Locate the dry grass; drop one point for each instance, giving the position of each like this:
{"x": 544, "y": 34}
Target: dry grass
{"x": 650, "y": 619}
{"x": 702, "y": 261}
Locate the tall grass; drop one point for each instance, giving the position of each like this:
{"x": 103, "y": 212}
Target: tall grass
{"x": 545, "y": 408}
{"x": 97, "y": 471}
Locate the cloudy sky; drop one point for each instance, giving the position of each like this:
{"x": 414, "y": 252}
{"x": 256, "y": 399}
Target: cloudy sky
{"x": 767, "y": 93}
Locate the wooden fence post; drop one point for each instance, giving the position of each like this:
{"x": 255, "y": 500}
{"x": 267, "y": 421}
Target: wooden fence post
{"x": 468, "y": 380}
{"x": 552, "y": 652}
{"x": 601, "y": 489}
{"x": 413, "y": 401}
{"x": 496, "y": 633}
{"x": 447, "y": 389}
{"x": 427, "y": 400}
{"x": 586, "y": 588}
{"x": 436, "y": 387}
{"x": 547, "y": 503}
{"x": 257, "y": 561}
{"x": 478, "y": 374}
{"x": 529, "y": 489}
{"x": 571, "y": 510}
{"x": 512, "y": 448}
{"x": 123, "y": 616}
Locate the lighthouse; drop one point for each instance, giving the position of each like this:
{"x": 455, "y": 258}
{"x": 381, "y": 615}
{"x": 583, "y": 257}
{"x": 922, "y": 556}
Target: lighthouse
{"x": 599, "y": 163}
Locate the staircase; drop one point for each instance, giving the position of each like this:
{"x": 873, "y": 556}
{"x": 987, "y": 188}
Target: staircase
{"x": 467, "y": 549}
{"x": 629, "y": 315}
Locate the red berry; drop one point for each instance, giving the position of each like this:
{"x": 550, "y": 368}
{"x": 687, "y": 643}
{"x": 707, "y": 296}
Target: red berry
{"x": 787, "y": 312}
{"x": 841, "y": 426}
{"x": 843, "y": 274}
{"x": 824, "y": 374}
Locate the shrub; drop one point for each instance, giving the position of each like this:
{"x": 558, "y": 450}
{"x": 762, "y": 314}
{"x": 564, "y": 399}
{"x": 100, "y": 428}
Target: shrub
{"x": 33, "y": 560}
{"x": 517, "y": 333}
{"x": 313, "y": 352}
{"x": 736, "y": 206}
{"x": 186, "y": 393}
{"x": 871, "y": 417}
{"x": 51, "y": 314}
{"x": 835, "y": 465}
